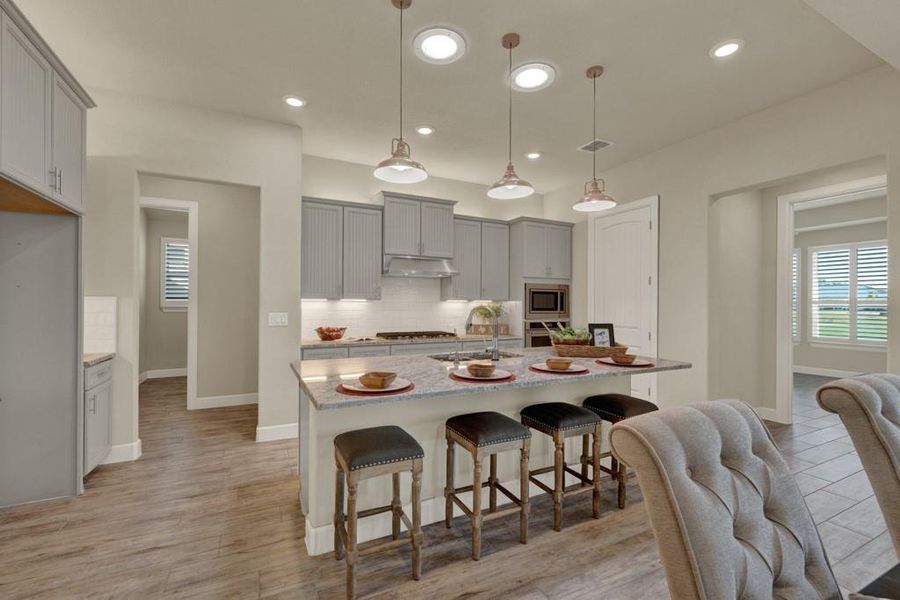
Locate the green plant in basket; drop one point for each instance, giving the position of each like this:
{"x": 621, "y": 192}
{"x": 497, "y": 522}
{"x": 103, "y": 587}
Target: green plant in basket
{"x": 569, "y": 335}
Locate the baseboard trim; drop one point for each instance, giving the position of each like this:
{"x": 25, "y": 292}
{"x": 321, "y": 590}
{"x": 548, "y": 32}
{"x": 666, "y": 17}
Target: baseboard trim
{"x": 123, "y": 453}
{"x": 161, "y": 373}
{"x": 825, "y": 372}
{"x": 768, "y": 414}
{"x": 270, "y": 433}
{"x": 220, "y": 401}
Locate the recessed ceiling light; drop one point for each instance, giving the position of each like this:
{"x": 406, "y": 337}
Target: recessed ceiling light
{"x": 726, "y": 48}
{"x": 532, "y": 77}
{"x": 533, "y": 155}
{"x": 439, "y": 45}
{"x": 294, "y": 101}
{"x": 425, "y": 130}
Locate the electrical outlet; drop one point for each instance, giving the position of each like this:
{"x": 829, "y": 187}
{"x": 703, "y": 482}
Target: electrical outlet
{"x": 278, "y": 319}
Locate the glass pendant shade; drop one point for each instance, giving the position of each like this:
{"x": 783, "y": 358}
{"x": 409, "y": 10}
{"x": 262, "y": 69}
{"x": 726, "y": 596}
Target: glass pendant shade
{"x": 595, "y": 198}
{"x": 400, "y": 168}
{"x": 510, "y": 186}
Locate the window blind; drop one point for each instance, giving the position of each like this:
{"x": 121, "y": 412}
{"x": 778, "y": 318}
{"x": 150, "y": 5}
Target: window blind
{"x": 175, "y": 273}
{"x": 795, "y": 295}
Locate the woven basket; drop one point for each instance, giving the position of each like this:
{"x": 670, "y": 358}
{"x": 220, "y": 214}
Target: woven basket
{"x": 586, "y": 351}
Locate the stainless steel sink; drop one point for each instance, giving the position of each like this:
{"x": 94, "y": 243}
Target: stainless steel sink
{"x": 464, "y": 356}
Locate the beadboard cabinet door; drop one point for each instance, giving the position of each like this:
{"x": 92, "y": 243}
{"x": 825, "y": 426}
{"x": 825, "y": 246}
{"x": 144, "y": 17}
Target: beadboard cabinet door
{"x": 402, "y": 227}
{"x": 559, "y": 252}
{"x": 68, "y": 149}
{"x": 467, "y": 259}
{"x": 25, "y": 80}
{"x": 437, "y": 230}
{"x": 494, "y": 261}
{"x": 362, "y": 253}
{"x": 535, "y": 250}
{"x": 321, "y": 264}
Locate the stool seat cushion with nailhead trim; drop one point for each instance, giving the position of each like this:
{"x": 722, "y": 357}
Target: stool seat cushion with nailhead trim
{"x": 363, "y": 448}
{"x": 556, "y": 416}
{"x": 615, "y": 407}
{"x": 487, "y": 428}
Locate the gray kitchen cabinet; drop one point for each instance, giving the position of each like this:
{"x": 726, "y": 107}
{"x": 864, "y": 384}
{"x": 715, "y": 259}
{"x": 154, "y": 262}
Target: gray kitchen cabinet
{"x": 545, "y": 248}
{"x": 494, "y": 261}
{"x": 321, "y": 264}
{"x": 68, "y": 145}
{"x": 559, "y": 251}
{"x": 96, "y": 423}
{"x": 437, "y": 230}
{"x": 467, "y": 259}
{"x": 321, "y": 353}
{"x": 362, "y": 253}
{"x": 402, "y": 226}
{"x": 535, "y": 251}
{"x": 361, "y": 351}
{"x": 437, "y": 348}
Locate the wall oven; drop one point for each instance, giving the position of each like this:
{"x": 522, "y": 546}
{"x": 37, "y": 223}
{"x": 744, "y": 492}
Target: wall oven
{"x": 546, "y": 302}
{"x": 536, "y": 336}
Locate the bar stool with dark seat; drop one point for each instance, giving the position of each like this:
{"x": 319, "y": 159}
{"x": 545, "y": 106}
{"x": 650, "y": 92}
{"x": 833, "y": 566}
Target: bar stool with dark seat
{"x": 366, "y": 453}
{"x": 560, "y": 420}
{"x": 613, "y": 408}
{"x": 486, "y": 434}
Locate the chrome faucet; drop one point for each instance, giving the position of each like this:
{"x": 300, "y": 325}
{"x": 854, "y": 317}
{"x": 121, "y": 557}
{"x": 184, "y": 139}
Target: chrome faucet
{"x": 495, "y": 331}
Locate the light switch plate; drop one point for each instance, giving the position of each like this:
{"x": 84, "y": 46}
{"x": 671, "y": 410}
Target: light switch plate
{"x": 279, "y": 319}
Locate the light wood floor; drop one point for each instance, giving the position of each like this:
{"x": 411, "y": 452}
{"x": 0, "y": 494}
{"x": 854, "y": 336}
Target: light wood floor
{"x": 209, "y": 513}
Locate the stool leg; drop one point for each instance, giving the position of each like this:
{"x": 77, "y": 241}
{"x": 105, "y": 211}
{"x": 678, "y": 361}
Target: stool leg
{"x": 448, "y": 507}
{"x": 396, "y": 507}
{"x": 558, "y": 462}
{"x": 623, "y": 479}
{"x": 476, "y": 510}
{"x": 352, "y": 554}
{"x": 595, "y": 465}
{"x": 492, "y": 484}
{"x": 614, "y": 467}
{"x": 416, "y": 533}
{"x": 524, "y": 492}
{"x": 585, "y": 444}
{"x": 338, "y": 513}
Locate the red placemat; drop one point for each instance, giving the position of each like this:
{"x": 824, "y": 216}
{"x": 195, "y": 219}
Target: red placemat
{"x": 454, "y": 377}
{"x": 533, "y": 370}
{"x": 348, "y": 392}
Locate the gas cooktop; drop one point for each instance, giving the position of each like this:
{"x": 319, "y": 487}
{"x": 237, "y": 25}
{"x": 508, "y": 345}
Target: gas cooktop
{"x": 414, "y": 335}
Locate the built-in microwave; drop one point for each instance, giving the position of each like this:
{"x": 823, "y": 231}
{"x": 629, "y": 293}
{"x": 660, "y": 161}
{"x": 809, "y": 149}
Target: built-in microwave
{"x": 546, "y": 301}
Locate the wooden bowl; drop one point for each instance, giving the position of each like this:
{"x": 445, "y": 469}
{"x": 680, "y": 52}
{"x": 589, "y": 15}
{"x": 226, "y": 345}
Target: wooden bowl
{"x": 623, "y": 359}
{"x": 559, "y": 364}
{"x": 481, "y": 369}
{"x": 377, "y": 380}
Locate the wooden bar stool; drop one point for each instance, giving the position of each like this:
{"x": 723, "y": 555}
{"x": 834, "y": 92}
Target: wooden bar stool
{"x": 613, "y": 408}
{"x": 366, "y": 453}
{"x": 560, "y": 420}
{"x": 486, "y": 434}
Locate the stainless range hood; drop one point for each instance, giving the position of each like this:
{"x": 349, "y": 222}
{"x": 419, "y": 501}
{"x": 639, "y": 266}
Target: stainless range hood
{"x": 416, "y": 266}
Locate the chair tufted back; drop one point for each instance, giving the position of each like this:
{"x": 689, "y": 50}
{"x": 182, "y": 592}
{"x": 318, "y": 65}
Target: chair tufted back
{"x": 729, "y": 519}
{"x": 869, "y": 406}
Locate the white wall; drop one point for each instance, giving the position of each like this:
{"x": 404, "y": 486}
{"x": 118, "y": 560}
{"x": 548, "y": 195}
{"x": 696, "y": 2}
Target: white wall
{"x": 128, "y": 135}
{"x": 852, "y": 120}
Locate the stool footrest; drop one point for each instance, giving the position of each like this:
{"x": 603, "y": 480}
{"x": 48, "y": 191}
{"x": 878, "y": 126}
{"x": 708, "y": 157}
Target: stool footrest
{"x": 370, "y": 512}
{"x": 508, "y": 494}
{"x": 500, "y": 512}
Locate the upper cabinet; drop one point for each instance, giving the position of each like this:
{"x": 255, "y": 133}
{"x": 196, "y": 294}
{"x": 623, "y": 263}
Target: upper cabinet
{"x": 482, "y": 258}
{"x": 416, "y": 226}
{"x": 42, "y": 115}
{"x": 545, "y": 248}
{"x": 340, "y": 254}
{"x": 494, "y": 261}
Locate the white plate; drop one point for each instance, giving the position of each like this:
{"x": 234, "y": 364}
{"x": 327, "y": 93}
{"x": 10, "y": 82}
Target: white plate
{"x": 573, "y": 369}
{"x": 356, "y": 386}
{"x": 497, "y": 374}
{"x": 638, "y": 362}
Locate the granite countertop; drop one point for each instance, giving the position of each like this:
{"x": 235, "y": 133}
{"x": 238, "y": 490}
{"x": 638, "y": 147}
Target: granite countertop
{"x": 377, "y": 341}
{"x": 95, "y": 358}
{"x": 431, "y": 377}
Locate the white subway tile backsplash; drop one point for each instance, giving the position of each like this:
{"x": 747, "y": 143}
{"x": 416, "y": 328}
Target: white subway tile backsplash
{"x": 100, "y": 314}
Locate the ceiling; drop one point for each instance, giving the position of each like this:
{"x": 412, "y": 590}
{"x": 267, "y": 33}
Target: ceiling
{"x": 873, "y": 23}
{"x": 660, "y": 85}
{"x": 161, "y": 214}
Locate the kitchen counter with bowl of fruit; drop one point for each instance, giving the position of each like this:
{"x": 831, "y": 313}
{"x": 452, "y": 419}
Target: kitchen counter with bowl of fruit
{"x": 421, "y": 392}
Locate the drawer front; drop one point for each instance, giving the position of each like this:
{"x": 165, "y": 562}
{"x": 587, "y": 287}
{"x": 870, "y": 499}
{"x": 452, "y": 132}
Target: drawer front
{"x": 356, "y": 351}
{"x": 97, "y": 374}
{"x": 475, "y": 346}
{"x": 320, "y": 353}
{"x": 511, "y": 344}
{"x": 409, "y": 349}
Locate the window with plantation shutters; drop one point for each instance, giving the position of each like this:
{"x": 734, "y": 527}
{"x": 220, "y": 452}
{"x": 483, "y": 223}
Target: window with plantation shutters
{"x": 174, "y": 271}
{"x": 795, "y": 295}
{"x": 848, "y": 293}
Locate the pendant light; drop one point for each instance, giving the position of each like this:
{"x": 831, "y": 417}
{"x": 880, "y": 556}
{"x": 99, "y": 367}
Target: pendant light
{"x": 595, "y": 197}
{"x": 510, "y": 186}
{"x": 399, "y": 167}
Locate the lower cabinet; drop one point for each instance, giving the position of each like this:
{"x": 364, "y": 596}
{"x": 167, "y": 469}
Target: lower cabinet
{"x": 319, "y": 353}
{"x": 360, "y": 351}
{"x": 410, "y": 349}
{"x": 404, "y": 349}
{"x": 96, "y": 415}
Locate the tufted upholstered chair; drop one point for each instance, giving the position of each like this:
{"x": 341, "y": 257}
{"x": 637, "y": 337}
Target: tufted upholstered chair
{"x": 869, "y": 406}
{"x": 729, "y": 519}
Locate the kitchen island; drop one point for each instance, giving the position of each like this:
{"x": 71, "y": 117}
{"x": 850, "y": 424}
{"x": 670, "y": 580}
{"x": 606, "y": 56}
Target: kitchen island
{"x": 422, "y": 411}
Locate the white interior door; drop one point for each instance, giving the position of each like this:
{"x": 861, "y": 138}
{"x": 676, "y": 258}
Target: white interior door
{"x": 622, "y": 279}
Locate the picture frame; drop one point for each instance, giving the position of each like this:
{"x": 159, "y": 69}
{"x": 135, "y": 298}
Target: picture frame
{"x": 602, "y": 335}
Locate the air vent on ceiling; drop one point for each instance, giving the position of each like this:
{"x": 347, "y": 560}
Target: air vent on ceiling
{"x": 595, "y": 145}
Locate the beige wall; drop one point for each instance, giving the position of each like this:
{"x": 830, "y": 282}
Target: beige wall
{"x": 227, "y": 281}
{"x": 128, "y": 135}
{"x": 852, "y": 120}
{"x": 163, "y": 334}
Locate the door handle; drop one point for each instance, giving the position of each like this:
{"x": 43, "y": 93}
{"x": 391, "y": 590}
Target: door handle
{"x": 59, "y": 189}
{"x": 54, "y": 178}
